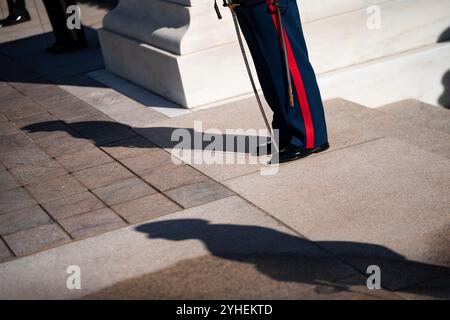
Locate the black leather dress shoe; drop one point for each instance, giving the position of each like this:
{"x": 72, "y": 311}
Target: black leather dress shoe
{"x": 52, "y": 47}
{"x": 265, "y": 149}
{"x": 291, "y": 153}
{"x": 14, "y": 19}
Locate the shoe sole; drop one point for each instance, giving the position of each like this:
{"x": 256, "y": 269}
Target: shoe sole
{"x": 322, "y": 148}
{"x": 17, "y": 22}
{"x": 319, "y": 149}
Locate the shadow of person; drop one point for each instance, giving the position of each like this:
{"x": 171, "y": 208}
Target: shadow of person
{"x": 444, "y": 36}
{"x": 289, "y": 258}
{"x": 444, "y": 99}
{"x": 103, "y": 133}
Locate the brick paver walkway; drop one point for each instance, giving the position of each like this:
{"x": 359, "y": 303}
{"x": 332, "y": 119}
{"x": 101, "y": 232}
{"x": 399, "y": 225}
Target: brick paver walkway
{"x": 69, "y": 172}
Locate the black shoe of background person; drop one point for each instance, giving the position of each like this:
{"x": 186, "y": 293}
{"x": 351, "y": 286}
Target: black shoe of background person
{"x": 291, "y": 153}
{"x": 52, "y": 47}
{"x": 13, "y": 19}
{"x": 67, "y": 47}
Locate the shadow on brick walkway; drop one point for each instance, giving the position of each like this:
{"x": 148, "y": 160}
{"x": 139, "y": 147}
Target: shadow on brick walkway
{"x": 104, "y": 133}
{"x": 57, "y": 184}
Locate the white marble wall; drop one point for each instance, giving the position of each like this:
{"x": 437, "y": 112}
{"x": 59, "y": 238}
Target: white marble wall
{"x": 343, "y": 40}
{"x": 417, "y": 74}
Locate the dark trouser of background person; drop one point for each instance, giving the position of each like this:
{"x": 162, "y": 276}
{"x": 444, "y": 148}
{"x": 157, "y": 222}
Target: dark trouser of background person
{"x": 17, "y": 13}
{"x": 65, "y": 39}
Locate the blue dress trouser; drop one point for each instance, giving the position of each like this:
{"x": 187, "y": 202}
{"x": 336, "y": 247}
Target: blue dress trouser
{"x": 304, "y": 124}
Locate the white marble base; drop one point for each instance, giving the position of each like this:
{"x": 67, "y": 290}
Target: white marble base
{"x": 141, "y": 96}
{"x": 344, "y": 40}
{"x": 190, "y": 80}
{"x": 418, "y": 74}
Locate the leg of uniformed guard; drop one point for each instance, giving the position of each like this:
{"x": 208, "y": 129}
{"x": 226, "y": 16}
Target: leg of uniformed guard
{"x": 305, "y": 82}
{"x": 306, "y": 119}
{"x": 279, "y": 122}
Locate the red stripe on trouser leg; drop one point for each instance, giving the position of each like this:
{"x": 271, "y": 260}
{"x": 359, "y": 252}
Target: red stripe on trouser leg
{"x": 298, "y": 83}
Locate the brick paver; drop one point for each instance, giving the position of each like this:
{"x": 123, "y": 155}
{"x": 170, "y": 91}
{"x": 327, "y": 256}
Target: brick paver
{"x": 8, "y": 93}
{"x": 73, "y": 205}
{"x": 23, "y": 219}
{"x": 20, "y": 107}
{"x": 15, "y": 199}
{"x": 103, "y": 175}
{"x": 146, "y": 208}
{"x": 91, "y": 223}
{"x": 102, "y": 132}
{"x": 199, "y": 193}
{"x": 7, "y": 181}
{"x": 60, "y": 143}
{"x": 34, "y": 172}
{"x": 36, "y": 239}
{"x": 69, "y": 172}
{"x": 5, "y": 254}
{"x": 14, "y": 141}
{"x": 42, "y": 126}
{"x": 34, "y": 120}
{"x": 47, "y": 94}
{"x": 54, "y": 98}
{"x": 83, "y": 159}
{"x": 23, "y": 156}
{"x": 7, "y": 128}
{"x": 151, "y": 161}
{"x": 55, "y": 188}
{"x": 124, "y": 190}
{"x": 174, "y": 176}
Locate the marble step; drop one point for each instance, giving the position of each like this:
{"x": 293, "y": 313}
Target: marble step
{"x": 417, "y": 74}
{"x": 346, "y": 39}
{"x": 351, "y": 124}
{"x": 385, "y": 193}
{"x": 312, "y": 10}
{"x": 420, "y": 113}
